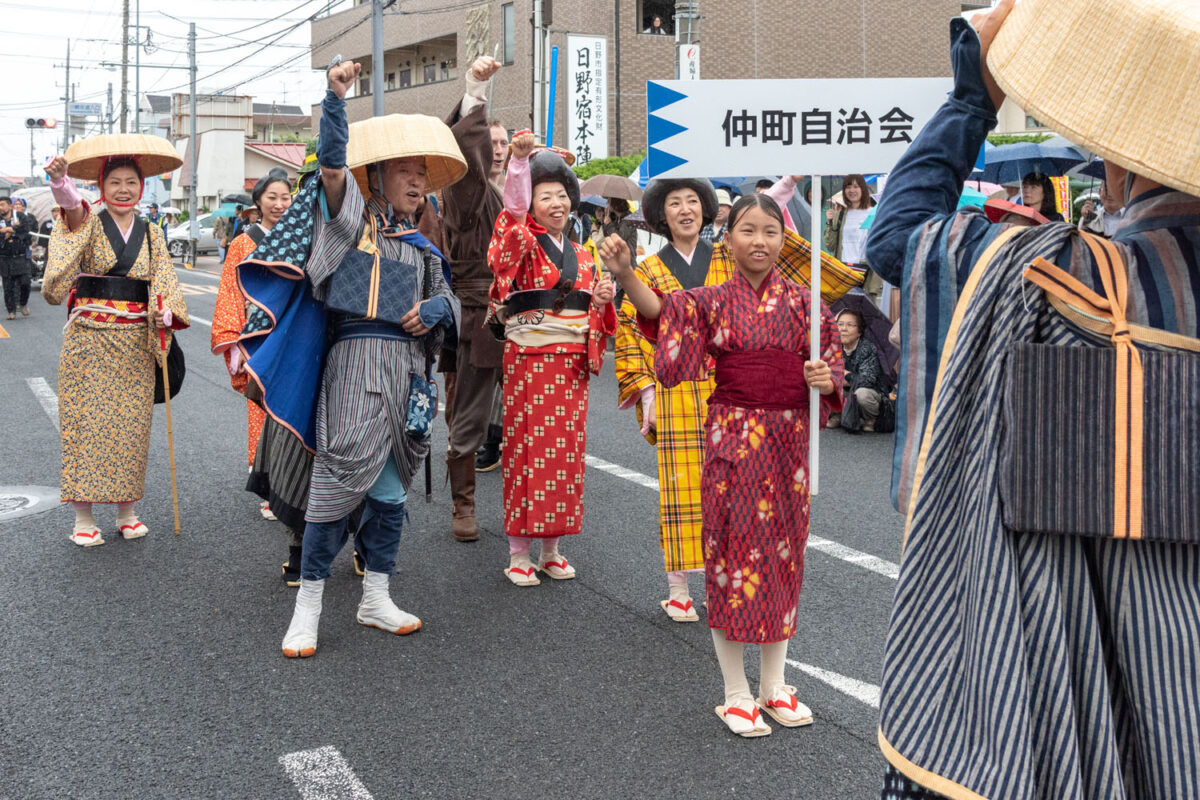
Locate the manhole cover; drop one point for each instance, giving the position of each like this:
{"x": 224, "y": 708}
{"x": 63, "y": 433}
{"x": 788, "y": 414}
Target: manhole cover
{"x": 21, "y": 501}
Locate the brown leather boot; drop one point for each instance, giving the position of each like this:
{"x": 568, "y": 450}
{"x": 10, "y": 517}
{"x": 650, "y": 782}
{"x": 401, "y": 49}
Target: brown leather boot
{"x": 462, "y": 489}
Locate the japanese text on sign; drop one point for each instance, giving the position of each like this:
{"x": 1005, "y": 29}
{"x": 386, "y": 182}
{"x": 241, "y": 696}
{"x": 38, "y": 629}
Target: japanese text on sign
{"x": 698, "y": 128}
{"x": 587, "y": 97}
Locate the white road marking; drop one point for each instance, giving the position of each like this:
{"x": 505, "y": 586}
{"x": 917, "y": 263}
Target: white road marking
{"x": 864, "y": 693}
{"x": 46, "y": 396}
{"x": 621, "y": 472}
{"x": 201, "y": 320}
{"x": 856, "y": 557}
{"x": 323, "y": 774}
{"x": 838, "y": 551}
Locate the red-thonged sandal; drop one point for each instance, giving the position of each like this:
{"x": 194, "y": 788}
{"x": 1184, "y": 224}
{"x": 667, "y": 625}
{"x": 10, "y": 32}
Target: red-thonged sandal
{"x": 135, "y": 530}
{"x": 556, "y": 567}
{"x": 680, "y": 612}
{"x": 521, "y": 572}
{"x": 87, "y": 538}
{"x": 785, "y": 709}
{"x": 747, "y": 723}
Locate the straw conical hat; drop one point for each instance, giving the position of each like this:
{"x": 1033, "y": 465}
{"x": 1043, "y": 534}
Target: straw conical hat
{"x": 154, "y": 154}
{"x": 1116, "y": 76}
{"x": 403, "y": 136}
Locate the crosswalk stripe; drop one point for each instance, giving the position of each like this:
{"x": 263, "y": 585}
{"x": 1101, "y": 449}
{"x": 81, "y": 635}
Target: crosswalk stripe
{"x": 323, "y": 774}
{"x": 46, "y": 396}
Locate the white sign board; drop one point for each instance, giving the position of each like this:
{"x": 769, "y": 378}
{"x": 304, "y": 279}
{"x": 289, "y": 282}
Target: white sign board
{"x": 689, "y": 62}
{"x": 84, "y": 109}
{"x": 587, "y": 97}
{"x": 775, "y": 127}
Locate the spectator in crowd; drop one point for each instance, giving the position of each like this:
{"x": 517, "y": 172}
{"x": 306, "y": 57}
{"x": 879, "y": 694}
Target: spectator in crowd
{"x": 155, "y": 218}
{"x": 222, "y": 232}
{"x": 15, "y": 268}
{"x": 612, "y": 219}
{"x": 866, "y": 383}
{"x": 656, "y": 27}
{"x": 845, "y": 238}
{"x": 715, "y": 230}
{"x": 1104, "y": 220}
{"x": 1037, "y": 192}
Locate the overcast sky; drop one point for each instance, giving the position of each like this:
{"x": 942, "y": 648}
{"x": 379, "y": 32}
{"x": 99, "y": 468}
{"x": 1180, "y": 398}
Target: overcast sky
{"x": 236, "y": 42}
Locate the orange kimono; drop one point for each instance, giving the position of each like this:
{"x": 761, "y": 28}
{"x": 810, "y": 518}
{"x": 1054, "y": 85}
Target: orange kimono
{"x": 228, "y": 320}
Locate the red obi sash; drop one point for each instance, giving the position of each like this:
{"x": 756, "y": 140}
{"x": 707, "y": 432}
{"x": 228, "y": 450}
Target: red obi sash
{"x": 770, "y": 379}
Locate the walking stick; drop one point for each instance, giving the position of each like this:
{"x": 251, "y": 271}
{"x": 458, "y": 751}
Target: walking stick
{"x": 429, "y": 476}
{"x": 162, "y": 342}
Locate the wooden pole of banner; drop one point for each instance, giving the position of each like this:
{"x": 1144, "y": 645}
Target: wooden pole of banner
{"x": 814, "y": 348}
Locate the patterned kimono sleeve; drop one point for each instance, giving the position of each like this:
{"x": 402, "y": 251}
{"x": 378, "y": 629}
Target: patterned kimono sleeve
{"x": 333, "y": 237}
{"x": 512, "y": 243}
{"x": 69, "y": 249}
{"x": 165, "y": 283}
{"x": 795, "y": 264}
{"x": 634, "y": 356}
{"x": 229, "y": 316}
{"x": 831, "y": 354}
{"x": 685, "y": 333}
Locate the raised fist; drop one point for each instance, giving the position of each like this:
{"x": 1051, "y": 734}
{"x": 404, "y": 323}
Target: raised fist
{"x": 57, "y": 168}
{"x": 484, "y": 68}
{"x": 523, "y": 144}
{"x": 616, "y": 256}
{"x": 342, "y": 77}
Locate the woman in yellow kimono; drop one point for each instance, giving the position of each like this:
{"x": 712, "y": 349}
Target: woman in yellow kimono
{"x": 674, "y": 418}
{"x": 111, "y": 268}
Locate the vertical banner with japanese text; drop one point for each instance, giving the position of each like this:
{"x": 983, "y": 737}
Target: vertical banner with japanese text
{"x": 785, "y": 127}
{"x": 587, "y": 97}
{"x": 689, "y": 62}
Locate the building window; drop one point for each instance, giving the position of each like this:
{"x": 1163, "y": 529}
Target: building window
{"x": 364, "y": 84}
{"x": 509, "y": 32}
{"x": 430, "y": 73}
{"x": 661, "y": 10}
{"x": 391, "y": 80}
{"x": 445, "y": 70}
{"x": 1031, "y": 123}
{"x": 405, "y": 78}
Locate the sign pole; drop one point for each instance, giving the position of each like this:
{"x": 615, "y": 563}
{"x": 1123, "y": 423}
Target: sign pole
{"x": 552, "y": 96}
{"x": 814, "y": 348}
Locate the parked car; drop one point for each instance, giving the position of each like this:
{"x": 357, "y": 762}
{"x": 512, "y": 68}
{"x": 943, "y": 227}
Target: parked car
{"x": 177, "y": 237}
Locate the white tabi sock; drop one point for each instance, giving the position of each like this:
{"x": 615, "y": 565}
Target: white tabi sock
{"x": 772, "y": 657}
{"x": 84, "y": 521}
{"x": 733, "y": 669}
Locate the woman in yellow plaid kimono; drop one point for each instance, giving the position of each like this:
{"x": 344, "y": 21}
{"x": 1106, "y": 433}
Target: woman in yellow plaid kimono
{"x": 674, "y": 418}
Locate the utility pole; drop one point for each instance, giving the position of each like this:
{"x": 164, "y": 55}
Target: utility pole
{"x": 193, "y": 150}
{"x": 538, "y": 55}
{"x": 125, "y": 67}
{"x": 377, "y": 57}
{"x": 137, "y": 73}
{"x": 67, "y": 102}
{"x": 110, "y": 108}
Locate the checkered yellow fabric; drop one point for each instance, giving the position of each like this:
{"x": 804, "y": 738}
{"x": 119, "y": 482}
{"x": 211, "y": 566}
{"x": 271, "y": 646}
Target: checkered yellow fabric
{"x": 680, "y": 426}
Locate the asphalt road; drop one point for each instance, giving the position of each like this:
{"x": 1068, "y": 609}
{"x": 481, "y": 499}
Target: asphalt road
{"x": 152, "y": 668}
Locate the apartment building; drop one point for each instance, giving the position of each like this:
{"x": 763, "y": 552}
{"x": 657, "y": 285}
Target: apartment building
{"x": 428, "y": 44}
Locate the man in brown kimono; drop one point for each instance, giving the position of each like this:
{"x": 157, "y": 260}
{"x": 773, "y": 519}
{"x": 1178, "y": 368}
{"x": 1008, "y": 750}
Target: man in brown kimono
{"x": 469, "y": 211}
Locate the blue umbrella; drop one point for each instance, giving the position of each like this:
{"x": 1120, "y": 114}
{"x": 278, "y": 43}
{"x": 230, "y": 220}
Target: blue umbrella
{"x": 1009, "y": 163}
{"x": 1093, "y": 169}
{"x": 730, "y": 183}
{"x": 969, "y": 197}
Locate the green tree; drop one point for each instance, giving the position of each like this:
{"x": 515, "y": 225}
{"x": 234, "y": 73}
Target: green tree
{"x": 614, "y": 165}
{"x": 1012, "y": 138}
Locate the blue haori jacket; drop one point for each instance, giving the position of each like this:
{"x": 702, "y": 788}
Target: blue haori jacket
{"x": 285, "y": 334}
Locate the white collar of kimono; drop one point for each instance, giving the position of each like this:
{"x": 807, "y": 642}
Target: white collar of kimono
{"x": 686, "y": 256}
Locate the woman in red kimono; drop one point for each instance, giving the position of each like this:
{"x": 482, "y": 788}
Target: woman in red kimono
{"x": 754, "y": 488}
{"x": 556, "y": 312}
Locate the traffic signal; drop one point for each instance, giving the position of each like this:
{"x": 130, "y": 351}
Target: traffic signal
{"x": 40, "y": 122}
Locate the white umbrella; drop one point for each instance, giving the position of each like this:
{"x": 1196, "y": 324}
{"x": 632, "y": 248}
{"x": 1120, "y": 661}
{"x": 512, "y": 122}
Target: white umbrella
{"x": 169, "y": 210}
{"x": 40, "y": 200}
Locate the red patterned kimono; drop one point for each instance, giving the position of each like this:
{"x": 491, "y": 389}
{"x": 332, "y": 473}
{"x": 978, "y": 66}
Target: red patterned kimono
{"x": 754, "y": 489}
{"x": 547, "y": 359}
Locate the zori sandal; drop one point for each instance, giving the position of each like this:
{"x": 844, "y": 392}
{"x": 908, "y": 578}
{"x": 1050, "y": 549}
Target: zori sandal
{"x": 745, "y": 723}
{"x": 556, "y": 567}
{"x": 87, "y": 538}
{"x": 785, "y": 709}
{"x": 521, "y": 572}
{"x": 134, "y": 530}
{"x": 680, "y": 612}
